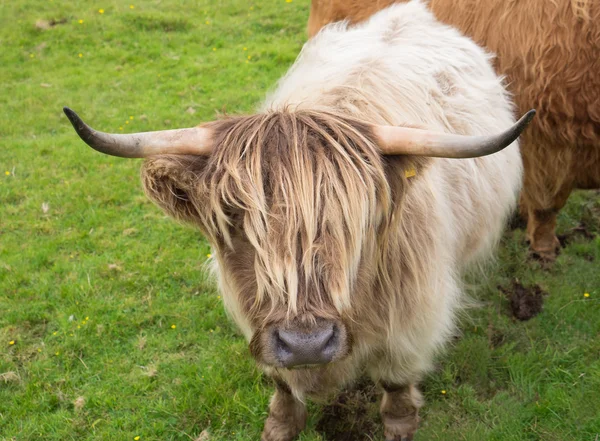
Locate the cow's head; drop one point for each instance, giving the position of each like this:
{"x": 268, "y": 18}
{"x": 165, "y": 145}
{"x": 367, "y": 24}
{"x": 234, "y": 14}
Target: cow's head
{"x": 296, "y": 205}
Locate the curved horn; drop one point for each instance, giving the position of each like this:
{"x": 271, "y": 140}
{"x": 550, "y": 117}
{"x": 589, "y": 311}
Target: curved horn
{"x": 193, "y": 141}
{"x": 405, "y": 141}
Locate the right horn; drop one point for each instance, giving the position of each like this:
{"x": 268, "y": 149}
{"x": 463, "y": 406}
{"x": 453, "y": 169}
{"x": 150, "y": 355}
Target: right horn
{"x": 192, "y": 141}
{"x": 406, "y": 141}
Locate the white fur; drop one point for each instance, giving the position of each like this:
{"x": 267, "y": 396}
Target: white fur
{"x": 404, "y": 67}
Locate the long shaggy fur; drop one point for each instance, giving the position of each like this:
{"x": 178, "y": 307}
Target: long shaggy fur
{"x": 550, "y": 53}
{"x": 309, "y": 221}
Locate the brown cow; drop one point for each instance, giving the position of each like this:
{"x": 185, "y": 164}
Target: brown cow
{"x": 550, "y": 54}
{"x": 339, "y": 223}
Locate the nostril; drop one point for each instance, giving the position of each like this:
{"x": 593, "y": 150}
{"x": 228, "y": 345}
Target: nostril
{"x": 331, "y": 339}
{"x": 326, "y": 338}
{"x": 282, "y": 344}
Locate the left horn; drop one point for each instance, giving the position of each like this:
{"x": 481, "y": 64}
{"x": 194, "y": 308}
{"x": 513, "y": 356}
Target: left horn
{"x": 405, "y": 141}
{"x": 192, "y": 141}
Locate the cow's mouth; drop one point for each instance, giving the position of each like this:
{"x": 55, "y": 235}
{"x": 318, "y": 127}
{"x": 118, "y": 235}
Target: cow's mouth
{"x": 306, "y": 367}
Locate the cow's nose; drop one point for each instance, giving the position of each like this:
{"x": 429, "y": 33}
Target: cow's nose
{"x": 312, "y": 346}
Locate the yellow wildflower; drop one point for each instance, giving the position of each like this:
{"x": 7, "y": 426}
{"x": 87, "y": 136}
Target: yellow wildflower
{"x": 57, "y": 353}
{"x": 288, "y": 1}
{"x": 7, "y": 173}
{"x": 80, "y": 55}
{"x": 137, "y": 437}
{"x": 12, "y": 342}
{"x": 443, "y": 392}
{"x": 214, "y": 48}
{"x": 209, "y": 255}
{"x": 586, "y": 294}
{"x": 173, "y": 326}
{"x": 120, "y": 128}
{"x": 101, "y": 11}
{"x": 131, "y": 117}
{"x": 245, "y": 48}
{"x": 131, "y": 7}
{"x": 31, "y": 55}
{"x": 207, "y": 22}
{"x": 80, "y": 21}
{"x": 87, "y": 318}
{"x": 249, "y": 57}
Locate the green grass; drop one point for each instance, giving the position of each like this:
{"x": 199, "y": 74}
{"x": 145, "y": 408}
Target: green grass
{"x": 91, "y": 286}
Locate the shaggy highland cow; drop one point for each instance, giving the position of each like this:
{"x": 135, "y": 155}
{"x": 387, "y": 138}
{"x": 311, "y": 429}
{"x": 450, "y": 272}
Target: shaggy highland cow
{"x": 339, "y": 224}
{"x": 550, "y": 54}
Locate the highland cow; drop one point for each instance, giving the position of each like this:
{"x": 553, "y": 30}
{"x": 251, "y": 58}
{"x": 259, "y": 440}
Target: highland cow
{"x": 550, "y": 54}
{"x": 344, "y": 212}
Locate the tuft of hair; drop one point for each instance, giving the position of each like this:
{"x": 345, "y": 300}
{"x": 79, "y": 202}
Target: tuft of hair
{"x": 304, "y": 188}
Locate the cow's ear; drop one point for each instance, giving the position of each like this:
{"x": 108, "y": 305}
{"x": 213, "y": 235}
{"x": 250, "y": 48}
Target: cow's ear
{"x": 171, "y": 182}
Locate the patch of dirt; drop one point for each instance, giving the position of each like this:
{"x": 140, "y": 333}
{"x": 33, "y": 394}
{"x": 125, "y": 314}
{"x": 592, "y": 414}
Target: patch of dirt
{"x": 525, "y": 303}
{"x": 582, "y": 230}
{"x": 350, "y": 417}
{"x": 589, "y": 225}
{"x": 44, "y": 25}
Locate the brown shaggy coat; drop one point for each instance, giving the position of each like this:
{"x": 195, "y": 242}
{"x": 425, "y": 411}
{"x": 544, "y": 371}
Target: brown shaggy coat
{"x": 550, "y": 54}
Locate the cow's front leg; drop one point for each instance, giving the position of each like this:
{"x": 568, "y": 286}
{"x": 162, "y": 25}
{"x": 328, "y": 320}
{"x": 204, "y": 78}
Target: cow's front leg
{"x": 287, "y": 415}
{"x": 400, "y": 411}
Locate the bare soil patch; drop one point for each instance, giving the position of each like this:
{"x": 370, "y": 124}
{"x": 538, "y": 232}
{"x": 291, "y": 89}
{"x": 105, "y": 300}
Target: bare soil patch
{"x": 352, "y": 417}
{"x": 525, "y": 302}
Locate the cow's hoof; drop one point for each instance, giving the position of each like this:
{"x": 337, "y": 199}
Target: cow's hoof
{"x": 546, "y": 255}
{"x": 282, "y": 430}
{"x": 404, "y": 436}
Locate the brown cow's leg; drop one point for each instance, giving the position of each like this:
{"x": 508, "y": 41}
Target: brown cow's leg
{"x": 400, "y": 411}
{"x": 548, "y": 182}
{"x": 541, "y": 226}
{"x": 287, "y": 416}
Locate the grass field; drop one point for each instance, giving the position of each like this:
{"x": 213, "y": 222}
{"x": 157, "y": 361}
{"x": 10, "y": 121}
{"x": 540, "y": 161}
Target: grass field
{"x": 109, "y": 327}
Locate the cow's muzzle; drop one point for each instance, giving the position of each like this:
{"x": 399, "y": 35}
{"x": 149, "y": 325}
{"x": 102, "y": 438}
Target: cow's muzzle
{"x": 303, "y": 346}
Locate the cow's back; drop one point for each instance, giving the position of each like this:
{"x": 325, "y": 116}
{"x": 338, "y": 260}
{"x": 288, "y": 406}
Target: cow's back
{"x": 549, "y": 50}
{"x": 551, "y": 53}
